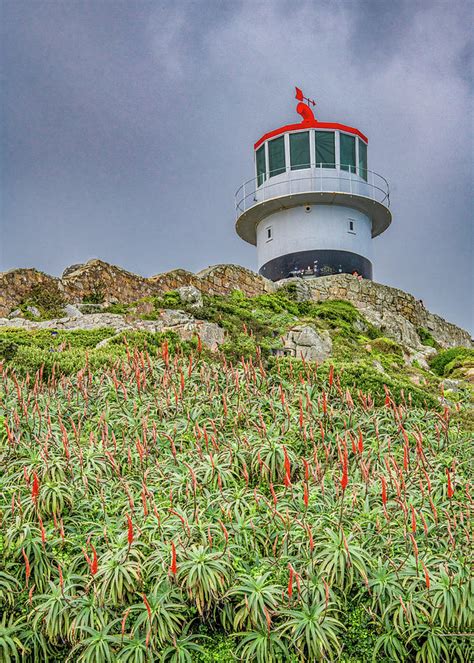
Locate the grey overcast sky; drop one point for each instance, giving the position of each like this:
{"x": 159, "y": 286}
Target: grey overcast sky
{"x": 127, "y": 126}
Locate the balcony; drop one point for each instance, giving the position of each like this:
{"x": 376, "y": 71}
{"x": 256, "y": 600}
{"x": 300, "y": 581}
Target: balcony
{"x": 256, "y": 199}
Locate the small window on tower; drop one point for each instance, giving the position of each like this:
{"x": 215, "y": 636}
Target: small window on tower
{"x": 351, "y": 226}
{"x": 269, "y": 234}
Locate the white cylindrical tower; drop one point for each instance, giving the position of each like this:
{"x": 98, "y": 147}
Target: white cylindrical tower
{"x": 313, "y": 206}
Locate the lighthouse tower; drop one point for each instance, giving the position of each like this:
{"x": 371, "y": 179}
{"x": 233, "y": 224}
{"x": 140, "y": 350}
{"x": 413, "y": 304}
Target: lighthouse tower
{"x": 313, "y": 206}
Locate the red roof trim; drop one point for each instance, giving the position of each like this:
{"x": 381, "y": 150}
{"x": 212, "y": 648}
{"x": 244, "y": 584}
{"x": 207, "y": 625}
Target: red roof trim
{"x": 310, "y": 125}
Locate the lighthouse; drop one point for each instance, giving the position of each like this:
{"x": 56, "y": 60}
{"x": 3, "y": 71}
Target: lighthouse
{"x": 313, "y": 205}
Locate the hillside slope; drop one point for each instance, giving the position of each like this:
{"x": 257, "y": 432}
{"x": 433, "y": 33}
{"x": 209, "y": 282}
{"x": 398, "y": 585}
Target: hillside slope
{"x": 197, "y": 477}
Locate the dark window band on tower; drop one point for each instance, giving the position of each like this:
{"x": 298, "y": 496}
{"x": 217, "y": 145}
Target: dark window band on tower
{"x": 299, "y": 150}
{"x": 362, "y": 160}
{"x": 276, "y": 156}
{"x": 348, "y": 152}
{"x": 261, "y": 166}
{"x": 325, "y": 149}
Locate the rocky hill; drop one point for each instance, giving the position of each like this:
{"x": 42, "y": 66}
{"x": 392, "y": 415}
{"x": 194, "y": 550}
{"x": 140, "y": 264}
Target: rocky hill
{"x": 396, "y": 313}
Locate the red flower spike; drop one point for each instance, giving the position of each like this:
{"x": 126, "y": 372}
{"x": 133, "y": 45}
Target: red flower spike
{"x": 126, "y": 613}
{"x": 287, "y": 481}
{"x": 224, "y": 531}
{"x": 272, "y": 491}
{"x": 427, "y": 576}
{"x": 43, "y": 532}
{"x": 27, "y": 565}
{"x": 130, "y": 530}
{"x": 147, "y": 606}
{"x": 384, "y": 491}
{"x": 290, "y": 581}
{"x": 35, "y": 488}
{"x": 344, "y": 478}
{"x": 95, "y": 563}
{"x": 306, "y": 495}
{"x": 61, "y": 579}
{"x": 413, "y": 519}
{"x": 268, "y": 618}
{"x": 173, "y": 566}
{"x": 450, "y": 485}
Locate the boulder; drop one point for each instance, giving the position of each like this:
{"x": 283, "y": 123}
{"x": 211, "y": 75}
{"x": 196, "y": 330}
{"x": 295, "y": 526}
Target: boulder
{"x": 421, "y": 356}
{"x": 305, "y": 342}
{"x": 191, "y": 296}
{"x": 452, "y": 385}
{"x": 72, "y": 311}
{"x": 71, "y": 269}
{"x": 15, "y": 314}
{"x": 34, "y": 311}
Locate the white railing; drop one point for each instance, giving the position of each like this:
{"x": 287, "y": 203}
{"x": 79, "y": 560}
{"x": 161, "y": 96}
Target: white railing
{"x": 309, "y": 180}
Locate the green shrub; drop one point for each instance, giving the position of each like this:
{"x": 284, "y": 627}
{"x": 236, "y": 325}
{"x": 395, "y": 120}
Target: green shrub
{"x": 120, "y": 309}
{"x": 387, "y": 346}
{"x": 96, "y": 296}
{"x": 239, "y": 346}
{"x": 219, "y": 650}
{"x": 68, "y": 362}
{"x": 426, "y": 338}
{"x": 458, "y": 366}
{"x": 440, "y": 362}
{"x": 51, "y": 338}
{"x": 47, "y": 298}
{"x": 359, "y": 638}
{"x": 342, "y": 315}
{"x": 8, "y": 349}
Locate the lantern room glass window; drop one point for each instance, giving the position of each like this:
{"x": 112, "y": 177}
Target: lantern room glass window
{"x": 261, "y": 166}
{"x": 299, "y": 150}
{"x": 276, "y": 156}
{"x": 348, "y": 152}
{"x": 362, "y": 160}
{"x": 325, "y": 149}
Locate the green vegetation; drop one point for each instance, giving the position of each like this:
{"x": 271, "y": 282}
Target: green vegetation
{"x": 47, "y": 298}
{"x": 427, "y": 338}
{"x": 162, "y": 503}
{"x": 446, "y": 361}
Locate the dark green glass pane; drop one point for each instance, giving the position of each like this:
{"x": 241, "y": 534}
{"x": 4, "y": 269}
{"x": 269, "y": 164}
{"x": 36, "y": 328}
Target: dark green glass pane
{"x": 261, "y": 169}
{"x": 362, "y": 160}
{"x": 276, "y": 156}
{"x": 299, "y": 150}
{"x": 325, "y": 149}
{"x": 348, "y": 152}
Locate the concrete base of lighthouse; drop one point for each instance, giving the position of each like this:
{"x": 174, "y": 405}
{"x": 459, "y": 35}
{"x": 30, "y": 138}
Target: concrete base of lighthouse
{"x": 318, "y": 262}
{"x": 314, "y": 240}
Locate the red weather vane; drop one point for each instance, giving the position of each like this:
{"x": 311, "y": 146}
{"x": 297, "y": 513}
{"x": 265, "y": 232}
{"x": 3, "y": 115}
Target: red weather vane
{"x": 299, "y": 95}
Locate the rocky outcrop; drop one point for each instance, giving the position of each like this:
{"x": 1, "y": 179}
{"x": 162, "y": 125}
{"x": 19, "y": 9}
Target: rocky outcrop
{"x": 98, "y": 282}
{"x": 305, "y": 342}
{"x": 184, "y": 325}
{"x": 396, "y": 313}
{"x": 190, "y": 295}
{"x": 399, "y": 315}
